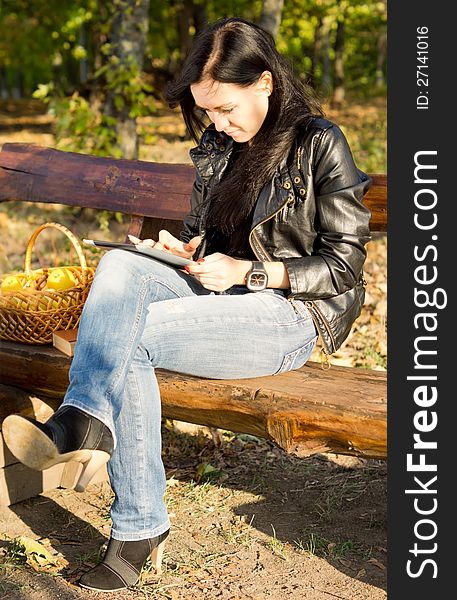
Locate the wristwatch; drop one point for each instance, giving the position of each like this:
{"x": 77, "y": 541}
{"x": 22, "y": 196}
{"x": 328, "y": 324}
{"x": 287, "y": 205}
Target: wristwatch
{"x": 257, "y": 277}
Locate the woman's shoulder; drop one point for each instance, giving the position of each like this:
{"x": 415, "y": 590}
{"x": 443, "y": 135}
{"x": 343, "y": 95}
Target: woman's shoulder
{"x": 320, "y": 132}
{"x": 318, "y": 125}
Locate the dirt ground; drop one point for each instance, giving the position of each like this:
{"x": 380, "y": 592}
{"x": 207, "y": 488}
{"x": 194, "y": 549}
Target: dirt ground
{"x": 258, "y": 523}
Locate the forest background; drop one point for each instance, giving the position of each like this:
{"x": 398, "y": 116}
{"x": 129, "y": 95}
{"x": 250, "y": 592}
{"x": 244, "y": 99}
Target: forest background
{"x": 87, "y": 76}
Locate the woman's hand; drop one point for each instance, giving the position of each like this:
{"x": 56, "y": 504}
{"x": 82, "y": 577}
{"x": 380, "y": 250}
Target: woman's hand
{"x": 168, "y": 243}
{"x": 218, "y": 272}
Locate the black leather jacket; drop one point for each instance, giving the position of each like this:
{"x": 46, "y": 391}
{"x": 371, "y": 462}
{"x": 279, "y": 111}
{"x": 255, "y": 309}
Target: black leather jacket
{"x": 309, "y": 215}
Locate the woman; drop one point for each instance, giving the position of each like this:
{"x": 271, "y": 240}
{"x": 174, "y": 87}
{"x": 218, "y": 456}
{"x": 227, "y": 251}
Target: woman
{"x": 277, "y": 231}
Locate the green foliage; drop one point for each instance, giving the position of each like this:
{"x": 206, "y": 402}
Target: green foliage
{"x": 104, "y": 217}
{"x": 41, "y": 39}
{"x": 48, "y": 40}
{"x": 376, "y": 357}
{"x": 128, "y": 84}
{"x": 65, "y": 55}
{"x": 308, "y": 31}
{"x": 82, "y": 125}
{"x": 78, "y": 126}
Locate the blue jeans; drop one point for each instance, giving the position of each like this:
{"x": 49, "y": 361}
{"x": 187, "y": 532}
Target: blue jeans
{"x": 141, "y": 314}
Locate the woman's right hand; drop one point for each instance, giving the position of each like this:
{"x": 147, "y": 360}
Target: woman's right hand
{"x": 169, "y": 243}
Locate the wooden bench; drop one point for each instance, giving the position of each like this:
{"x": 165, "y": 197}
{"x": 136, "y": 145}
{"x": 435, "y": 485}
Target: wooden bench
{"x": 306, "y": 411}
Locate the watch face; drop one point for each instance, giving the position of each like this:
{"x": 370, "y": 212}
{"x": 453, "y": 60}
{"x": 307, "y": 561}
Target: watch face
{"x": 257, "y": 281}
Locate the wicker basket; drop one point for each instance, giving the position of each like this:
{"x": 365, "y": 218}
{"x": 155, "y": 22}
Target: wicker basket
{"x": 30, "y": 315}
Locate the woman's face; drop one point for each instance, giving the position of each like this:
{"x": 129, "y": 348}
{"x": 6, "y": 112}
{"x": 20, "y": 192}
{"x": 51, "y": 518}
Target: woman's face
{"x": 238, "y": 111}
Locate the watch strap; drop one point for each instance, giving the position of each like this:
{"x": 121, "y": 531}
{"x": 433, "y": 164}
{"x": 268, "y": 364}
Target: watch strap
{"x": 257, "y": 266}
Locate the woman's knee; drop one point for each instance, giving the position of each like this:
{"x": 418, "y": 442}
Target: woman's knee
{"x": 116, "y": 272}
{"x": 116, "y": 259}
{"x": 121, "y": 264}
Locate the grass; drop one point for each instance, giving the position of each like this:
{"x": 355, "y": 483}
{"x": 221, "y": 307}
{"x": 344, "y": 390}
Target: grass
{"x": 8, "y": 586}
{"x": 92, "y": 558}
{"x": 192, "y": 562}
{"x": 13, "y": 556}
{"x": 236, "y": 532}
{"x": 276, "y": 546}
{"x": 376, "y": 356}
{"x": 225, "y": 536}
{"x": 316, "y": 545}
{"x": 204, "y": 494}
{"x": 333, "y": 496}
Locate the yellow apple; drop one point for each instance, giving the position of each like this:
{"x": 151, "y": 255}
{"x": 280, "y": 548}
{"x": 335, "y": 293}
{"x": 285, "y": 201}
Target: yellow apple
{"x": 11, "y": 283}
{"x": 61, "y": 279}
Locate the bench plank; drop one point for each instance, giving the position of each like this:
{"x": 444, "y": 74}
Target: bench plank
{"x": 134, "y": 187}
{"x": 37, "y": 174}
{"x": 304, "y": 411}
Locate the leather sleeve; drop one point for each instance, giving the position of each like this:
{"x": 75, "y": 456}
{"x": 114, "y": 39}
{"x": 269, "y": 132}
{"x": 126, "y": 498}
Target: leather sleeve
{"x": 341, "y": 221}
{"x": 191, "y": 220}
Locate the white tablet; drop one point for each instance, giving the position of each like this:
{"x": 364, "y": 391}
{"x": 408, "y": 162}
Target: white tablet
{"x": 160, "y": 255}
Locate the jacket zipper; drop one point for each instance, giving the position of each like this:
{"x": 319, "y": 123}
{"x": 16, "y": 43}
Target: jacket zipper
{"x": 285, "y": 210}
{"x": 254, "y": 235}
{"x": 312, "y": 305}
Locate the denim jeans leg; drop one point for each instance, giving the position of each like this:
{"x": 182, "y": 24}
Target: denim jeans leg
{"x": 112, "y": 379}
{"x": 136, "y": 470}
{"x": 216, "y": 336}
{"x": 141, "y": 315}
{"x": 111, "y": 327}
{"x": 229, "y": 336}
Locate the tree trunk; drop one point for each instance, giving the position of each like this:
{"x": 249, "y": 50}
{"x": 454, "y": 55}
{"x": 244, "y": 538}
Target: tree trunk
{"x": 184, "y": 20}
{"x": 200, "y": 16}
{"x": 326, "y": 79}
{"x": 338, "y": 81}
{"x": 83, "y": 66}
{"x": 98, "y": 37}
{"x": 129, "y": 29}
{"x": 381, "y": 59}
{"x": 317, "y": 53}
{"x": 4, "y": 92}
{"x": 270, "y": 19}
{"x": 18, "y": 85}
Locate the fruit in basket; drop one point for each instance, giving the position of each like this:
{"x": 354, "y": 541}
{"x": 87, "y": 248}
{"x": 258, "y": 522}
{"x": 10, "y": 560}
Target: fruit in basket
{"x": 46, "y": 303}
{"x": 61, "y": 279}
{"x": 11, "y": 283}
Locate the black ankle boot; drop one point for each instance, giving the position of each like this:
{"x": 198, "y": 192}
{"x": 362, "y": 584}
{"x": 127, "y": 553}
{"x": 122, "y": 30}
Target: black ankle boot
{"x": 122, "y": 564}
{"x": 70, "y": 434}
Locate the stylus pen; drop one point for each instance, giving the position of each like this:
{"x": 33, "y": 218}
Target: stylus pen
{"x": 105, "y": 244}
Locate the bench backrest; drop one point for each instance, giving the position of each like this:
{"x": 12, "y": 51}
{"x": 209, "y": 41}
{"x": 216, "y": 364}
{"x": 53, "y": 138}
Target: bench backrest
{"x": 138, "y": 188}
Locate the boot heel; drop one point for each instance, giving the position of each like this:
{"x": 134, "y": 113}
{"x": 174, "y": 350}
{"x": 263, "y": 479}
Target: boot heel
{"x": 90, "y": 467}
{"x": 157, "y": 556}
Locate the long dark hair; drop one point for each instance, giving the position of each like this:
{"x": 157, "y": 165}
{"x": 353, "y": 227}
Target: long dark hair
{"x": 237, "y": 51}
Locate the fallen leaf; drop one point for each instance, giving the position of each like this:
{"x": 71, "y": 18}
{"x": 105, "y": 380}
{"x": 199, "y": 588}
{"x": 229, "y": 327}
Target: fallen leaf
{"x": 361, "y": 573}
{"x": 32, "y": 547}
{"x": 376, "y": 563}
{"x": 205, "y": 469}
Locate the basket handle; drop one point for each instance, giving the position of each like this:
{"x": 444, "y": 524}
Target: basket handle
{"x": 73, "y": 240}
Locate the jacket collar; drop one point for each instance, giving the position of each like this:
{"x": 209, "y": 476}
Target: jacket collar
{"x": 211, "y": 157}
{"x": 273, "y": 196}
{"x": 212, "y": 154}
